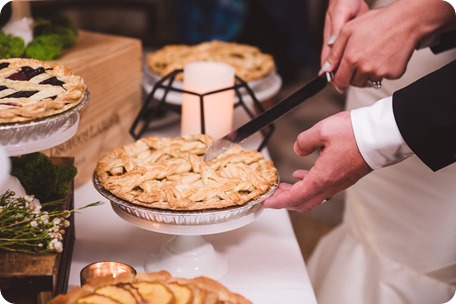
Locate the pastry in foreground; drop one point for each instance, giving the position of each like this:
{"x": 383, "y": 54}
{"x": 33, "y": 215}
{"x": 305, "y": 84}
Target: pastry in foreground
{"x": 154, "y": 287}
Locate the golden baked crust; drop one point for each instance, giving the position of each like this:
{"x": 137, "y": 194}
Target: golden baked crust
{"x": 248, "y": 61}
{"x": 31, "y": 89}
{"x": 170, "y": 173}
{"x": 155, "y": 287}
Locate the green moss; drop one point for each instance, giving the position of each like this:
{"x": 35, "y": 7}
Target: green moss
{"x": 41, "y": 178}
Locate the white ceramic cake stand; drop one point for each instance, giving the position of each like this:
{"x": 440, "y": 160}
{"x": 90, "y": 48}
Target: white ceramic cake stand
{"x": 187, "y": 253}
{"x": 39, "y": 135}
{"x": 24, "y": 138}
{"x": 39, "y": 142}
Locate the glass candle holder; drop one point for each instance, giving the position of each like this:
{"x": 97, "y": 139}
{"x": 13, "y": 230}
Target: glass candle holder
{"x": 102, "y": 269}
{"x": 205, "y": 78}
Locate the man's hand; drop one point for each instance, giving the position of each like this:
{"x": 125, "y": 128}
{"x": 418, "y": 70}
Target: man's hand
{"x": 338, "y": 166}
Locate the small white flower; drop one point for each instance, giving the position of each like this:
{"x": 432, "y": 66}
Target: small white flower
{"x": 56, "y": 221}
{"x": 59, "y": 247}
{"x": 36, "y": 203}
{"x": 51, "y": 244}
{"x": 33, "y": 224}
{"x": 55, "y": 245}
{"x": 28, "y": 198}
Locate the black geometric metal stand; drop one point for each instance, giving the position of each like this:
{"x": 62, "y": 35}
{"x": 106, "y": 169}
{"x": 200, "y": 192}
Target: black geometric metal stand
{"x": 154, "y": 108}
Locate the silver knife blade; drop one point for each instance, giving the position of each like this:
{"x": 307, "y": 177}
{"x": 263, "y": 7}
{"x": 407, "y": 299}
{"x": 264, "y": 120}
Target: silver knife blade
{"x": 269, "y": 116}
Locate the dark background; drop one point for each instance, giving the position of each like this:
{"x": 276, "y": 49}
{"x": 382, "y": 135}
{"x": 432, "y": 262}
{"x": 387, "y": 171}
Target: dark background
{"x": 290, "y": 30}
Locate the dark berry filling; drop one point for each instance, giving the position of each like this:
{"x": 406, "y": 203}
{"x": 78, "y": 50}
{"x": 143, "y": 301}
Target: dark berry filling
{"x": 26, "y": 73}
{"x": 21, "y": 94}
{"x": 53, "y": 81}
{"x": 11, "y": 104}
{"x": 4, "y": 65}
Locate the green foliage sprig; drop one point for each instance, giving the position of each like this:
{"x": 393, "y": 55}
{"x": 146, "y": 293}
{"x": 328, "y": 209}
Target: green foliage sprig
{"x": 26, "y": 226}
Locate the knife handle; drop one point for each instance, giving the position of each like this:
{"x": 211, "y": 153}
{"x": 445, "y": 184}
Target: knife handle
{"x": 278, "y": 110}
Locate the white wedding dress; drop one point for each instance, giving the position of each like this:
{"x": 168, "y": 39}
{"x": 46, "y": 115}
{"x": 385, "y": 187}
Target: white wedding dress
{"x": 397, "y": 242}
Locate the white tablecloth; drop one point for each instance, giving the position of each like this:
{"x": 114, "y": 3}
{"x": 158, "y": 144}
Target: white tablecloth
{"x": 264, "y": 259}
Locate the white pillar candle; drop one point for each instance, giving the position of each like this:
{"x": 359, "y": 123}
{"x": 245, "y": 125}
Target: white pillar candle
{"x": 201, "y": 78}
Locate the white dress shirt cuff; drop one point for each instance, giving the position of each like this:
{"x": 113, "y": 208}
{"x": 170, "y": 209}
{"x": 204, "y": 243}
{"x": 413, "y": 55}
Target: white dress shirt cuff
{"x": 377, "y": 135}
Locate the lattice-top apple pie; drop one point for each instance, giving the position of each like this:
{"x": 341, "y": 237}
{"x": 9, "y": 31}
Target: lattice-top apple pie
{"x": 248, "y": 61}
{"x": 31, "y": 89}
{"x": 170, "y": 173}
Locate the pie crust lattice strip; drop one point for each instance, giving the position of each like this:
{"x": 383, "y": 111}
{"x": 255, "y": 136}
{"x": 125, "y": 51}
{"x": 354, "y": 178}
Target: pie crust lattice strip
{"x": 31, "y": 89}
{"x": 170, "y": 173}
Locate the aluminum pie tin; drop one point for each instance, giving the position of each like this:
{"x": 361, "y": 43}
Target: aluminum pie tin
{"x": 22, "y": 132}
{"x": 185, "y": 217}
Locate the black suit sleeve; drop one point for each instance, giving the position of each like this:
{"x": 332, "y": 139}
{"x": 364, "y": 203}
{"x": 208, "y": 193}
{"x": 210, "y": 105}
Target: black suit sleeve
{"x": 425, "y": 112}
{"x": 447, "y": 42}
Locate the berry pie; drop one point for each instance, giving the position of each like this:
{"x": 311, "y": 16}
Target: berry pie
{"x": 32, "y": 89}
{"x": 170, "y": 173}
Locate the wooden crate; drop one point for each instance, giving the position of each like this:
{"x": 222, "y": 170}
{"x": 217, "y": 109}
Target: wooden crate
{"x": 111, "y": 67}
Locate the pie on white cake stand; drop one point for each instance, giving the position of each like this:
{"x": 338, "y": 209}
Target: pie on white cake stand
{"x": 42, "y": 134}
{"x": 38, "y": 135}
{"x": 264, "y": 88}
{"x": 187, "y": 254}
